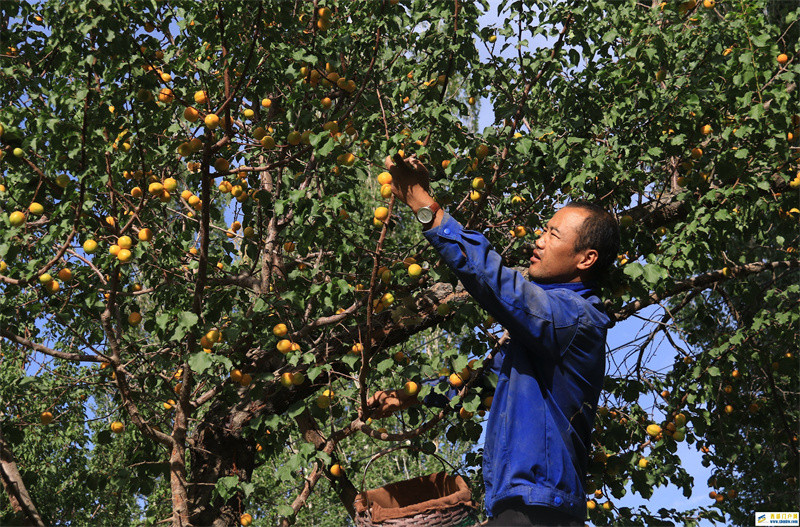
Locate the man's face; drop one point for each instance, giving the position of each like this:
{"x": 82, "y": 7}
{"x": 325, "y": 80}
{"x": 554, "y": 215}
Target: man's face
{"x": 554, "y": 258}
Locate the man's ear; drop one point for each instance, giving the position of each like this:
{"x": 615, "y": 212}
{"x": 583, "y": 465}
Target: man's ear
{"x": 588, "y": 259}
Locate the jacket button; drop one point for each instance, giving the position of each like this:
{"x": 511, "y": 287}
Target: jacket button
{"x": 446, "y": 231}
{"x": 557, "y": 500}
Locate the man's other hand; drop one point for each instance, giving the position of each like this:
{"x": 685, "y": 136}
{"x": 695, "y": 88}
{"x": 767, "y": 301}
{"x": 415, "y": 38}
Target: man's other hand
{"x": 385, "y": 403}
{"x": 410, "y": 181}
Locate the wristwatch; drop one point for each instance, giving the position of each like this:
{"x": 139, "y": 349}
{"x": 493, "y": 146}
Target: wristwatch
{"x": 425, "y": 215}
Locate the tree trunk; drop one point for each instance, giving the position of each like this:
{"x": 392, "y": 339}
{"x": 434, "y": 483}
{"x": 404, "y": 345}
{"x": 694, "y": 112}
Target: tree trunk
{"x": 15, "y": 488}
{"x": 219, "y": 450}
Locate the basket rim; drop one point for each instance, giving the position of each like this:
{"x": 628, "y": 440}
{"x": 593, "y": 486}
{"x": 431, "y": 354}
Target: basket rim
{"x": 461, "y": 497}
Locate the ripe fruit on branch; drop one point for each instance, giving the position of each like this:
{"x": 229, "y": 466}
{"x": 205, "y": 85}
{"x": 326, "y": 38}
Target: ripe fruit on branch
{"x": 134, "y": 318}
{"x": 410, "y": 389}
{"x": 268, "y": 142}
{"x": 387, "y": 299}
{"x": 16, "y": 218}
{"x": 414, "y": 270}
{"x": 90, "y": 246}
{"x": 124, "y": 242}
{"x": 245, "y": 520}
{"x": 117, "y": 427}
{"x": 221, "y": 164}
{"x": 324, "y": 400}
{"x": 381, "y": 213}
{"x": 212, "y": 121}
{"x": 336, "y": 470}
{"x": 653, "y": 430}
{"x": 170, "y": 184}
{"x": 166, "y": 95}
{"x": 456, "y": 380}
{"x": 46, "y": 418}
{"x": 782, "y": 59}
{"x": 191, "y": 114}
{"x": 384, "y": 178}
{"x": 347, "y": 159}
{"x": 280, "y": 330}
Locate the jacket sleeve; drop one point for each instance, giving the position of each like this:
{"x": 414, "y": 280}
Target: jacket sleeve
{"x": 522, "y": 307}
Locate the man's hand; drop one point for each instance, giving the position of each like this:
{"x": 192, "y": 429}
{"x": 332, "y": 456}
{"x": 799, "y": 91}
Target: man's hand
{"x": 385, "y": 403}
{"x": 410, "y": 181}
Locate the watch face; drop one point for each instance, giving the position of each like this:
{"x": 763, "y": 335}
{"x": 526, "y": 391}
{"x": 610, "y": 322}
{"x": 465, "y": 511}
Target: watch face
{"x": 425, "y": 215}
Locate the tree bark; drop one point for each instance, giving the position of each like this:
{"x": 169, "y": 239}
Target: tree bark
{"x": 219, "y": 450}
{"x": 15, "y": 488}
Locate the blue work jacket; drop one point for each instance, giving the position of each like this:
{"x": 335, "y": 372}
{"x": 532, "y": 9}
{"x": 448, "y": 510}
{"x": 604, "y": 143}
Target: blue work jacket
{"x": 550, "y": 374}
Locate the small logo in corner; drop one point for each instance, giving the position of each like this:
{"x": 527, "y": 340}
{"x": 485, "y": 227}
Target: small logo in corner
{"x": 788, "y": 519}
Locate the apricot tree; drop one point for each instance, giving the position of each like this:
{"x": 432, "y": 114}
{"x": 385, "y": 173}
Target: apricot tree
{"x": 196, "y": 244}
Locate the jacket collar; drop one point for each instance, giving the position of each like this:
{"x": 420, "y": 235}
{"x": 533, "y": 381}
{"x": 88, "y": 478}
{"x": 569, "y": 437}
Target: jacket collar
{"x": 585, "y": 289}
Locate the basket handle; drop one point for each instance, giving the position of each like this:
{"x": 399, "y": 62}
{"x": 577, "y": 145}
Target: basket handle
{"x": 401, "y": 447}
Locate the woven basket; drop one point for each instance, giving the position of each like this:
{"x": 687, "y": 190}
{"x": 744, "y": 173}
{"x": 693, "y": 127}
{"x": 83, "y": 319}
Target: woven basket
{"x": 435, "y": 500}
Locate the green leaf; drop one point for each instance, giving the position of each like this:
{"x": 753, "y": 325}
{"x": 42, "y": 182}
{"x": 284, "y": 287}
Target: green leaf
{"x": 186, "y": 320}
{"x": 199, "y": 362}
{"x": 634, "y": 270}
{"x": 653, "y": 273}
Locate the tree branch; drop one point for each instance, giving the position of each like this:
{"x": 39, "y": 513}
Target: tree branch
{"x": 700, "y": 282}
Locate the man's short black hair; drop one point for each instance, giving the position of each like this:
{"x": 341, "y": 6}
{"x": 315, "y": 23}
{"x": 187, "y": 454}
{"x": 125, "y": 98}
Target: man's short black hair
{"x": 599, "y": 231}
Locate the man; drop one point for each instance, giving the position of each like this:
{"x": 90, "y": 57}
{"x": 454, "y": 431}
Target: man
{"x": 550, "y": 372}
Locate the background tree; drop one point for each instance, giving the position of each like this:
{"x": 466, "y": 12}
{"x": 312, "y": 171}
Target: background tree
{"x": 202, "y": 284}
